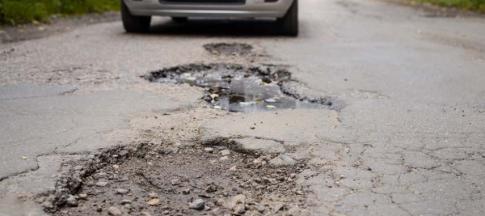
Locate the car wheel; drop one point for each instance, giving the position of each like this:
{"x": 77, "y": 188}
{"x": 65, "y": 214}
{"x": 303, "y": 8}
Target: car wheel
{"x": 180, "y": 19}
{"x": 132, "y": 23}
{"x": 289, "y": 23}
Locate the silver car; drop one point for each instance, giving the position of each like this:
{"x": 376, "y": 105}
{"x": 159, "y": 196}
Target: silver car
{"x": 136, "y": 14}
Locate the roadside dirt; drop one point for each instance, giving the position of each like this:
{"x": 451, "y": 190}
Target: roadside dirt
{"x": 150, "y": 179}
{"x": 57, "y": 24}
{"x": 434, "y": 11}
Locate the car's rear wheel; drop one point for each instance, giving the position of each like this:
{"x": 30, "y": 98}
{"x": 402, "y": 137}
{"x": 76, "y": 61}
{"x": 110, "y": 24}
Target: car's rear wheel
{"x": 289, "y": 23}
{"x": 180, "y": 19}
{"x": 132, "y": 23}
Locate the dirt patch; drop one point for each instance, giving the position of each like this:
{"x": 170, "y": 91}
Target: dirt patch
{"x": 237, "y": 88}
{"x": 229, "y": 49}
{"x": 149, "y": 179}
{"x": 435, "y": 11}
{"x": 58, "y": 24}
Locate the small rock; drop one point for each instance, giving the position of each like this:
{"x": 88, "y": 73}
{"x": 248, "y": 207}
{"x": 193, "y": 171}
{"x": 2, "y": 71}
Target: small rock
{"x": 282, "y": 160}
{"x": 122, "y": 191}
{"x": 71, "y": 201}
{"x": 270, "y": 107}
{"x": 82, "y": 196}
{"x": 101, "y": 183}
{"x": 209, "y": 149}
{"x": 211, "y": 188}
{"x": 259, "y": 208}
{"x": 233, "y": 168}
{"x": 224, "y": 158}
{"x": 277, "y": 207}
{"x": 207, "y": 208}
{"x": 175, "y": 181}
{"x": 198, "y": 204}
{"x": 153, "y": 202}
{"x": 116, "y": 166}
{"x": 125, "y": 201}
{"x": 225, "y": 152}
{"x": 114, "y": 211}
{"x": 270, "y": 100}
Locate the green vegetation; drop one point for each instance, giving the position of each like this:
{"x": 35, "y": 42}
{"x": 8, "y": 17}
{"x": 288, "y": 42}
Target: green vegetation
{"x": 475, "y": 5}
{"x": 24, "y": 11}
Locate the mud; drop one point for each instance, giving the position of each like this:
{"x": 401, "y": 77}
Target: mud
{"x": 237, "y": 88}
{"x": 149, "y": 179}
{"x": 229, "y": 49}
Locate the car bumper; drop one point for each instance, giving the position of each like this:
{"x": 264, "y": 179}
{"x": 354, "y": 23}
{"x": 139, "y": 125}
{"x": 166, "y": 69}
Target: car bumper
{"x": 252, "y": 8}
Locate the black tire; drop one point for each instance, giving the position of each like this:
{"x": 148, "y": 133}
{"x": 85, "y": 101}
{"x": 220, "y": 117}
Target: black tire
{"x": 132, "y": 23}
{"x": 289, "y": 23}
{"x": 180, "y": 19}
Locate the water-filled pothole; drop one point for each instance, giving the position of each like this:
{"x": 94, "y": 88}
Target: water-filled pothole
{"x": 234, "y": 49}
{"x": 236, "y": 88}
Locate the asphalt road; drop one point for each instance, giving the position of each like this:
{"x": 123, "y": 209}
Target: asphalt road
{"x": 408, "y": 139}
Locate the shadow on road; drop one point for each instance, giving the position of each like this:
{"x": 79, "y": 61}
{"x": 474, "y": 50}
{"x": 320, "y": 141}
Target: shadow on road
{"x": 210, "y": 27}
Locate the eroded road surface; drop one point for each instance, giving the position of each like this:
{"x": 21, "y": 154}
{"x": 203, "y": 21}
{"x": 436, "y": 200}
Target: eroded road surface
{"x": 375, "y": 109}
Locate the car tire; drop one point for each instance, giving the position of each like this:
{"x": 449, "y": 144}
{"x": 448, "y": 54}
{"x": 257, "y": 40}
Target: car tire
{"x": 180, "y": 19}
{"x": 132, "y": 23}
{"x": 289, "y": 23}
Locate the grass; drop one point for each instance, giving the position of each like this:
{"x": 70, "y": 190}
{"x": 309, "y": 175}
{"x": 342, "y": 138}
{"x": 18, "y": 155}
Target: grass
{"x": 26, "y": 11}
{"x": 474, "y": 5}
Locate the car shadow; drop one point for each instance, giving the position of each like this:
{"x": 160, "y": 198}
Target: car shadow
{"x": 212, "y": 27}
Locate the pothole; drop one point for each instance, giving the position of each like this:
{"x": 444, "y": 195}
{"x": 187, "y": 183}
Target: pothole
{"x": 148, "y": 179}
{"x": 229, "y": 49}
{"x": 237, "y": 88}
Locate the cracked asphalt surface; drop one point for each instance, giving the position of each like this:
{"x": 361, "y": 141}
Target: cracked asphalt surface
{"x": 409, "y": 140}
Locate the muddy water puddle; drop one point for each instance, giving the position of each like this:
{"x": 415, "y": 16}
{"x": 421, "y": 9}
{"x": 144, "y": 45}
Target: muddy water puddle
{"x": 237, "y": 88}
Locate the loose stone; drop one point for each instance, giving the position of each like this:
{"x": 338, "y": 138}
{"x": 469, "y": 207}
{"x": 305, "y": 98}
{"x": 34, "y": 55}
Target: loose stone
{"x": 197, "y": 204}
{"x": 71, "y": 201}
{"x": 122, "y": 191}
{"x": 225, "y": 152}
{"x": 101, "y": 183}
{"x": 153, "y": 202}
{"x": 114, "y": 211}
